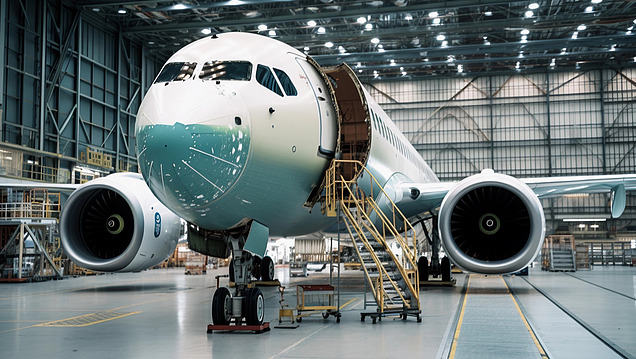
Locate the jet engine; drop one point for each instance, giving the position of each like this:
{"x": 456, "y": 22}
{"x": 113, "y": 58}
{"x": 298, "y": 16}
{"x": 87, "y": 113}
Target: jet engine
{"x": 115, "y": 224}
{"x": 491, "y": 224}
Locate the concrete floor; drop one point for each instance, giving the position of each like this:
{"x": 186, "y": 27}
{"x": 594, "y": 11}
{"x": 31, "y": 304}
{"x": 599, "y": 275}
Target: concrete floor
{"x": 164, "y": 314}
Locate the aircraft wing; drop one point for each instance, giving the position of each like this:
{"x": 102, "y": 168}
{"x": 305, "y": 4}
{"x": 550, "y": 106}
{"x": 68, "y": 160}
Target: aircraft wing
{"x": 558, "y": 186}
{"x": 27, "y": 185}
{"x": 430, "y": 195}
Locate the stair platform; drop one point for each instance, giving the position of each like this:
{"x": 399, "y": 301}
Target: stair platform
{"x": 377, "y": 316}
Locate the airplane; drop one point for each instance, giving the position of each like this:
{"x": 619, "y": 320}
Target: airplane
{"x": 234, "y": 136}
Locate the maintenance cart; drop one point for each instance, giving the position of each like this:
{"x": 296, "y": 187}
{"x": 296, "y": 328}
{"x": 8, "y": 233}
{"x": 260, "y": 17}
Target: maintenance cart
{"x": 316, "y": 298}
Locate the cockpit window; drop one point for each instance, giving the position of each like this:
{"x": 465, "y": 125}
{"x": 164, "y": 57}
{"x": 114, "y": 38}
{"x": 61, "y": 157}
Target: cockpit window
{"x": 226, "y": 70}
{"x": 285, "y": 81}
{"x": 176, "y": 71}
{"x": 265, "y": 77}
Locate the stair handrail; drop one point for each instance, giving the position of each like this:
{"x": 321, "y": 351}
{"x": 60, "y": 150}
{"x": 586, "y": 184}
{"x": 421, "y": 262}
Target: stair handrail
{"x": 373, "y": 231}
{"x": 332, "y": 180}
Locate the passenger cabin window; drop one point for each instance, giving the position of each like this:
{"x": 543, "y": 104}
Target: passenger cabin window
{"x": 265, "y": 77}
{"x": 176, "y": 71}
{"x": 285, "y": 81}
{"x": 226, "y": 70}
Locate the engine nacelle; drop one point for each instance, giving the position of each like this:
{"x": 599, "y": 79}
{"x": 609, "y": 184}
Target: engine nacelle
{"x": 491, "y": 224}
{"x": 115, "y": 224}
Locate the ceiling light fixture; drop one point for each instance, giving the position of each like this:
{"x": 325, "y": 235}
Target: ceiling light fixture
{"x": 525, "y": 32}
{"x": 122, "y": 10}
{"x": 321, "y": 30}
{"x": 433, "y": 14}
{"x": 581, "y": 27}
{"x": 589, "y": 9}
{"x": 375, "y": 40}
{"x": 597, "y": 1}
{"x": 272, "y": 33}
{"x": 440, "y": 37}
{"x": 444, "y": 43}
{"x": 262, "y": 27}
{"x": 460, "y": 68}
{"x": 533, "y": 6}
{"x": 368, "y": 27}
{"x": 575, "y": 34}
{"x": 179, "y": 7}
{"x": 361, "y": 20}
{"x": 306, "y": 48}
{"x": 408, "y": 17}
{"x": 206, "y": 31}
{"x": 329, "y": 44}
{"x": 311, "y": 23}
{"x": 529, "y": 13}
{"x": 437, "y": 21}
{"x": 488, "y": 13}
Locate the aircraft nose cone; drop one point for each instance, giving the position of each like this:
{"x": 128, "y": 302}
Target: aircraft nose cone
{"x": 190, "y": 166}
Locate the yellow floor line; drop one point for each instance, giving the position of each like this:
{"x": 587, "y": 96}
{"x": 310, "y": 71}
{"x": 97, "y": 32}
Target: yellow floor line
{"x": 347, "y": 303}
{"x": 525, "y": 321}
{"x": 459, "y": 322}
{"x": 65, "y": 322}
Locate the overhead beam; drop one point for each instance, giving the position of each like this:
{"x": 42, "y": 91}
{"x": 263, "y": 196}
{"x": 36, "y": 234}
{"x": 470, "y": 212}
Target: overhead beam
{"x": 354, "y": 12}
{"x": 506, "y": 47}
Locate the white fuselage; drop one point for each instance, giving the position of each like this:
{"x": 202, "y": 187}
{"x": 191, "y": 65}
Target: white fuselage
{"x": 253, "y": 139}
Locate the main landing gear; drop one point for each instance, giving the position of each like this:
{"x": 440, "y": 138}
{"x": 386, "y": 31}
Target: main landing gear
{"x": 433, "y": 268}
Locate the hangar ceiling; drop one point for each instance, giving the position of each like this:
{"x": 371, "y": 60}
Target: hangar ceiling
{"x": 400, "y": 38}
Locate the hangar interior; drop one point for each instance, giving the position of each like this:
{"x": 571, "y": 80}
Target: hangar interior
{"x": 527, "y": 88}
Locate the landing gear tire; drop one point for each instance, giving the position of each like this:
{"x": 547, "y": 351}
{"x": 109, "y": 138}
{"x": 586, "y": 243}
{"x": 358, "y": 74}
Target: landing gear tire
{"x": 221, "y": 306}
{"x": 446, "y": 269}
{"x": 267, "y": 269}
{"x": 254, "y": 306}
{"x": 422, "y": 268}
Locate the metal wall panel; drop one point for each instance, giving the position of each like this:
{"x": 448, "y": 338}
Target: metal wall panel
{"x": 70, "y": 83}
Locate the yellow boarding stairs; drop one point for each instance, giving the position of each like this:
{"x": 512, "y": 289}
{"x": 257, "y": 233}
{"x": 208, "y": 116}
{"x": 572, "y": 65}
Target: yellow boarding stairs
{"x": 393, "y": 279}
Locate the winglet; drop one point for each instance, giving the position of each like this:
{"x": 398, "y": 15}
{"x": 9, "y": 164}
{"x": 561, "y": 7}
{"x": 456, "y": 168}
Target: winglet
{"x": 618, "y": 200}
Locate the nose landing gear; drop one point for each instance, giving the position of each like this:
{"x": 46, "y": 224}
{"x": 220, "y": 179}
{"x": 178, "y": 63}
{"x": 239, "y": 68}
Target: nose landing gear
{"x": 244, "y": 307}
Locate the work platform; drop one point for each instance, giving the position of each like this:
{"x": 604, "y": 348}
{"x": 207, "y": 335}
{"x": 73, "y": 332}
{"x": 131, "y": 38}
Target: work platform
{"x": 161, "y": 314}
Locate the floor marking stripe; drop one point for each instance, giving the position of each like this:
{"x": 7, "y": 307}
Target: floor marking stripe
{"x": 525, "y": 322}
{"x": 610, "y": 344}
{"x": 347, "y": 303}
{"x": 88, "y": 319}
{"x": 459, "y": 322}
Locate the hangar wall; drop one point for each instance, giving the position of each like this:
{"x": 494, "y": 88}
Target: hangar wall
{"x": 70, "y": 82}
{"x": 525, "y": 125}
